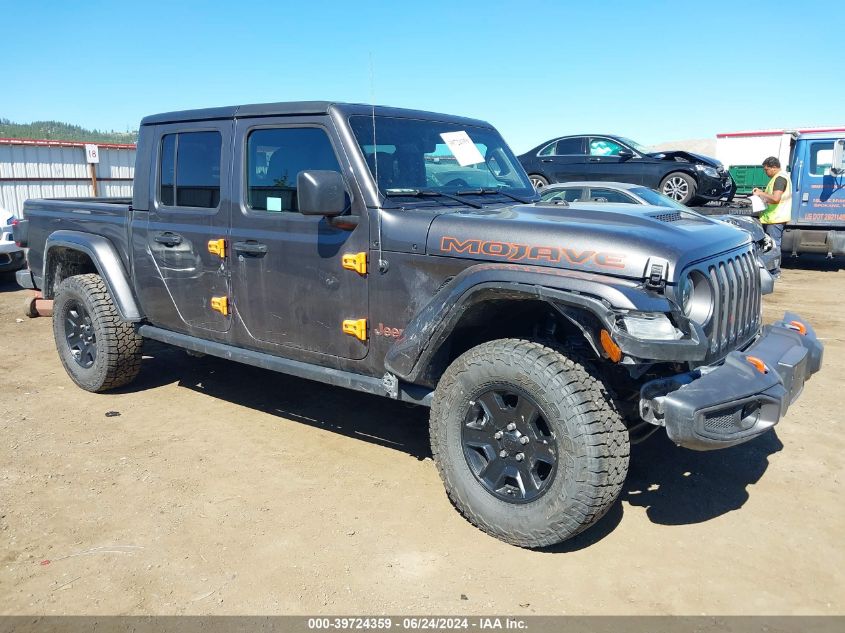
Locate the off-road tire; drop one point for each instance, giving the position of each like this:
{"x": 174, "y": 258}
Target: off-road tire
{"x": 117, "y": 344}
{"x": 592, "y": 441}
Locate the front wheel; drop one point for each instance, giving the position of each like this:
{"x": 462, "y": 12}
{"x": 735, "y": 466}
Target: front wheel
{"x": 528, "y": 442}
{"x": 99, "y": 350}
{"x": 679, "y": 186}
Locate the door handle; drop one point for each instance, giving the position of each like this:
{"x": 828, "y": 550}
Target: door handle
{"x": 168, "y": 239}
{"x": 250, "y": 247}
{"x": 594, "y": 160}
{"x": 546, "y": 160}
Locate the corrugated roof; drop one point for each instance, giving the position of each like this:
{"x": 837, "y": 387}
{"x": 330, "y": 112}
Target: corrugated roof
{"x": 55, "y": 143}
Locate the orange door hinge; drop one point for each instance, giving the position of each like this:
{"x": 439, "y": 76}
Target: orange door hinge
{"x": 217, "y": 247}
{"x": 356, "y": 328}
{"x": 356, "y": 262}
{"x": 221, "y": 305}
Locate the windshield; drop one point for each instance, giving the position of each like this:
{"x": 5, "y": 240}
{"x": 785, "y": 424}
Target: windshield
{"x": 658, "y": 199}
{"x": 642, "y": 149}
{"x": 436, "y": 156}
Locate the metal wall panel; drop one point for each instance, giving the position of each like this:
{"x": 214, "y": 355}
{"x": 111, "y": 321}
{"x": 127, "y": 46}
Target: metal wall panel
{"x": 36, "y": 170}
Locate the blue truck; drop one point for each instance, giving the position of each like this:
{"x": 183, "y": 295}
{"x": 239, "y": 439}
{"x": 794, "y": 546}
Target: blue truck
{"x": 814, "y": 159}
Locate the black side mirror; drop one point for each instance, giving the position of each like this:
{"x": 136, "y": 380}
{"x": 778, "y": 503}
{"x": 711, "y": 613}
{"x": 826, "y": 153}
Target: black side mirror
{"x": 625, "y": 153}
{"x": 320, "y": 192}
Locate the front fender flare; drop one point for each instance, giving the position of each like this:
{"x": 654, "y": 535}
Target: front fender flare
{"x": 107, "y": 261}
{"x": 594, "y": 293}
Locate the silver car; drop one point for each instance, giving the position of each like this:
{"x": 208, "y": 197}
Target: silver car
{"x": 12, "y": 256}
{"x": 627, "y": 193}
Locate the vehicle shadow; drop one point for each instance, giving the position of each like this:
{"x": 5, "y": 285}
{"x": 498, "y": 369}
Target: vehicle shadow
{"x": 8, "y": 283}
{"x": 813, "y": 261}
{"x": 362, "y": 416}
{"x": 676, "y": 486}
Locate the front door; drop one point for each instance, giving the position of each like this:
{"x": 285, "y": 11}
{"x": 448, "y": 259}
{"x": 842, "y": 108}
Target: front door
{"x": 189, "y": 209}
{"x": 818, "y": 195}
{"x": 604, "y": 162}
{"x": 291, "y": 289}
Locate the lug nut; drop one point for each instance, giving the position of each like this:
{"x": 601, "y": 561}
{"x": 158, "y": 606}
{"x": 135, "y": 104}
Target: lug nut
{"x": 503, "y": 453}
{"x": 511, "y": 426}
{"x": 520, "y": 457}
{"x": 523, "y": 439}
{"x": 498, "y": 435}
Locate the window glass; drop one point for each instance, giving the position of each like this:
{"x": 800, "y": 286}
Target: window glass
{"x": 548, "y": 150}
{"x": 604, "y": 147}
{"x": 569, "y": 146}
{"x": 609, "y": 195}
{"x": 417, "y": 154}
{"x": 275, "y": 156}
{"x": 168, "y": 169}
{"x": 190, "y": 169}
{"x": 657, "y": 199}
{"x": 570, "y": 195}
{"x": 821, "y": 158}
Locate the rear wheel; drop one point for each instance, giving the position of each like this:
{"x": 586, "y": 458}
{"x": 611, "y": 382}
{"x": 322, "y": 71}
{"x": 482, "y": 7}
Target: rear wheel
{"x": 99, "y": 350}
{"x": 538, "y": 181}
{"x": 679, "y": 186}
{"x": 528, "y": 442}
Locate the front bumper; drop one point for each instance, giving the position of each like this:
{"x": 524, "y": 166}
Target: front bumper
{"x": 722, "y": 188}
{"x": 720, "y": 406}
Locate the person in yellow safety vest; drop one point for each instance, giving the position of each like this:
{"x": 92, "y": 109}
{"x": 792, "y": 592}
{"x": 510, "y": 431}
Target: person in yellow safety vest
{"x": 778, "y": 199}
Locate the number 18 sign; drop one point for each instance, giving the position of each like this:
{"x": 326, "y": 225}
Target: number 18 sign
{"x": 92, "y": 153}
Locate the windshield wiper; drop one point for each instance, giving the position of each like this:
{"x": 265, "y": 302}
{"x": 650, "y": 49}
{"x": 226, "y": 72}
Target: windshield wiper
{"x": 422, "y": 193}
{"x": 487, "y": 192}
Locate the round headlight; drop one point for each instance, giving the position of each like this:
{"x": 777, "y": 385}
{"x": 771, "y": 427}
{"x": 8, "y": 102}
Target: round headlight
{"x": 696, "y": 297}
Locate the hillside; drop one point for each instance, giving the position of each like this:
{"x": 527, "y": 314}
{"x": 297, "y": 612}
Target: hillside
{"x": 56, "y": 130}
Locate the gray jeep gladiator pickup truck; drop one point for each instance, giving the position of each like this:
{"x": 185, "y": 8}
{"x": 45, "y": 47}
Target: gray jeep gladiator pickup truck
{"x": 404, "y": 254}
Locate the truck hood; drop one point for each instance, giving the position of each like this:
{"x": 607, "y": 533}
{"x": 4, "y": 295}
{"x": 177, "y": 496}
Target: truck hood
{"x": 616, "y": 239}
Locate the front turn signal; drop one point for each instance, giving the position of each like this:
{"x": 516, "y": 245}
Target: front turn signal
{"x": 610, "y": 347}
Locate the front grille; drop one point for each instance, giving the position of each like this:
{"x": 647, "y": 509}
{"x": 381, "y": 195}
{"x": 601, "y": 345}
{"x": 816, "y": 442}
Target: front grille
{"x": 726, "y": 422}
{"x": 737, "y": 302}
{"x": 735, "y": 282}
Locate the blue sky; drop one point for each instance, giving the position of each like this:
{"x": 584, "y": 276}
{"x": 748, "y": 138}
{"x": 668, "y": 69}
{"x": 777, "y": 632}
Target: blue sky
{"x": 652, "y": 71}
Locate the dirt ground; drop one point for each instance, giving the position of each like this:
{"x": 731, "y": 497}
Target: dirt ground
{"x": 209, "y": 487}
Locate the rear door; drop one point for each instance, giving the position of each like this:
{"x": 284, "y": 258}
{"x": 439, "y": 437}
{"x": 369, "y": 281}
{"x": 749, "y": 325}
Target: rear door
{"x": 291, "y": 289}
{"x": 187, "y": 285}
{"x": 563, "y": 160}
{"x": 819, "y": 196}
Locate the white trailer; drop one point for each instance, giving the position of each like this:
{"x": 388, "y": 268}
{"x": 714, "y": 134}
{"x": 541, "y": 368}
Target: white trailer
{"x": 753, "y": 147}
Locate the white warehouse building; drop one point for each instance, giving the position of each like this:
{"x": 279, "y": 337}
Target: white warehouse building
{"x": 59, "y": 169}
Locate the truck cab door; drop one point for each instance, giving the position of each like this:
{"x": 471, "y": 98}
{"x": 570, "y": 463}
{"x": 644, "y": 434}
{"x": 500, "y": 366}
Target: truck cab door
{"x": 299, "y": 282}
{"x": 819, "y": 192}
{"x": 182, "y": 281}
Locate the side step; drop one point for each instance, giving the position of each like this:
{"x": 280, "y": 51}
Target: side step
{"x": 414, "y": 394}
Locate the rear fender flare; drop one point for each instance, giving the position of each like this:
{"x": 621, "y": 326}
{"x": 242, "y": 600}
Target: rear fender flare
{"x": 106, "y": 259}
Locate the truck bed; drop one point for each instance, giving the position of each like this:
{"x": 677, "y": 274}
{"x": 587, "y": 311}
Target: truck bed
{"x": 107, "y": 217}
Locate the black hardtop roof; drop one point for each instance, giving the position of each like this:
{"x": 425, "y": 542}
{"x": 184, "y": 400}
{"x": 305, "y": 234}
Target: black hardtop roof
{"x": 293, "y": 108}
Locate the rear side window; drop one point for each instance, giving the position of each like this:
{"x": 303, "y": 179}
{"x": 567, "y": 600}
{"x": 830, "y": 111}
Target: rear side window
{"x": 569, "y": 147}
{"x": 276, "y": 156}
{"x": 570, "y": 195}
{"x": 189, "y": 169}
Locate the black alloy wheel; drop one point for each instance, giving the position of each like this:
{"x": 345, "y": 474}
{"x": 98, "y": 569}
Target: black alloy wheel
{"x": 509, "y": 446}
{"x": 80, "y": 335}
